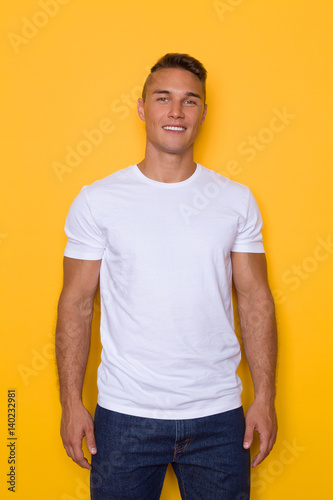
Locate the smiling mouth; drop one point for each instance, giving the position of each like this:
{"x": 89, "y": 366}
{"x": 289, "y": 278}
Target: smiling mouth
{"x": 173, "y": 128}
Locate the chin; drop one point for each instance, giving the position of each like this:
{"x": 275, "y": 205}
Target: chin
{"x": 174, "y": 151}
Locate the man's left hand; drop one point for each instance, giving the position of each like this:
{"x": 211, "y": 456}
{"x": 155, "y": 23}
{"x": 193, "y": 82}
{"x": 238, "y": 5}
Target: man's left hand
{"x": 261, "y": 418}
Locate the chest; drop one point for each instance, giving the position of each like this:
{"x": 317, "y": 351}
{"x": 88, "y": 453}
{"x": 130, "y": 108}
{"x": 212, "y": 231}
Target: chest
{"x": 170, "y": 225}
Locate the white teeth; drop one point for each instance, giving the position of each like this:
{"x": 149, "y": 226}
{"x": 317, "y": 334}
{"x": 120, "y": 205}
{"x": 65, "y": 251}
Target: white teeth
{"x": 174, "y": 128}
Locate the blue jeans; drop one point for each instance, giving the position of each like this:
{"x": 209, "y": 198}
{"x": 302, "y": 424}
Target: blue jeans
{"x": 206, "y": 454}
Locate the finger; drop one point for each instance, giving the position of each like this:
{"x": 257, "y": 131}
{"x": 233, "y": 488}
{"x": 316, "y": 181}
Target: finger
{"x": 272, "y": 442}
{"x": 263, "y": 451}
{"x": 248, "y": 436}
{"x": 83, "y": 463}
{"x": 79, "y": 458}
{"x": 70, "y": 451}
{"x": 91, "y": 442}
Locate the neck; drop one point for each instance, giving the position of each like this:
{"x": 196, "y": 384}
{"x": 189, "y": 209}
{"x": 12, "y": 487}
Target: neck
{"x": 168, "y": 167}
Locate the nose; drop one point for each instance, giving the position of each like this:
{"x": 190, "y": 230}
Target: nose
{"x": 176, "y": 110}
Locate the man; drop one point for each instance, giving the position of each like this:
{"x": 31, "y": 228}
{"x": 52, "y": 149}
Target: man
{"x": 166, "y": 237}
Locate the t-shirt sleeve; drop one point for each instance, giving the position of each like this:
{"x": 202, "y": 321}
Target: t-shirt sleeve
{"x": 249, "y": 234}
{"x": 85, "y": 239}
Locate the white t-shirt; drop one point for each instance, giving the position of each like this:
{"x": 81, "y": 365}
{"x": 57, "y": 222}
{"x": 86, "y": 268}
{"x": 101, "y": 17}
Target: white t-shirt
{"x": 167, "y": 326}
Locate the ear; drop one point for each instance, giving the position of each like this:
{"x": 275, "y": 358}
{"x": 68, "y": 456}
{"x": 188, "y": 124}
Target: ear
{"x": 204, "y": 114}
{"x": 141, "y": 109}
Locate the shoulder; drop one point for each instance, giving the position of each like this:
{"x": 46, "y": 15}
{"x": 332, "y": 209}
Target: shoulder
{"x": 97, "y": 193}
{"x": 227, "y": 187}
{"x": 121, "y": 176}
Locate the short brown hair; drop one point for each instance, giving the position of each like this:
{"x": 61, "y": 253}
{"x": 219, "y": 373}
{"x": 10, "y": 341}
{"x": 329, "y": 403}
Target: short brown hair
{"x": 181, "y": 61}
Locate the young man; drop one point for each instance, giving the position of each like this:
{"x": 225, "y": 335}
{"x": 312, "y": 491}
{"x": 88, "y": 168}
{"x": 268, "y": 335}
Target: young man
{"x": 166, "y": 237}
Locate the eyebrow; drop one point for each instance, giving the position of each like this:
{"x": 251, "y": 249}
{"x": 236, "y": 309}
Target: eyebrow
{"x": 188, "y": 94}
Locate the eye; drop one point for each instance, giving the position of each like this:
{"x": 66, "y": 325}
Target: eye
{"x": 188, "y": 101}
{"x": 162, "y": 99}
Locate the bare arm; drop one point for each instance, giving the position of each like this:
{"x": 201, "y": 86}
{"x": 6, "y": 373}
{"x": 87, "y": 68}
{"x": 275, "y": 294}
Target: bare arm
{"x": 75, "y": 311}
{"x": 258, "y": 327}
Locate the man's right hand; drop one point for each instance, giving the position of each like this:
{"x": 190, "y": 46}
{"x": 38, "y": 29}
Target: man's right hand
{"x": 76, "y": 423}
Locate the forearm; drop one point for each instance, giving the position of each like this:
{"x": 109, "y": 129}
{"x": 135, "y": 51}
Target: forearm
{"x": 259, "y": 334}
{"x": 72, "y": 348}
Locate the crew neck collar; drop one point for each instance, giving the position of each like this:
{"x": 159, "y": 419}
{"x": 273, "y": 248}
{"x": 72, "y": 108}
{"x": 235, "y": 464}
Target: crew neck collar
{"x": 168, "y": 185}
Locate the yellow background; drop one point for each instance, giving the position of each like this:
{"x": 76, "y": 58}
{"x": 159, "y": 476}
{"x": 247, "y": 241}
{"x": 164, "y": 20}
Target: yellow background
{"x": 84, "y": 63}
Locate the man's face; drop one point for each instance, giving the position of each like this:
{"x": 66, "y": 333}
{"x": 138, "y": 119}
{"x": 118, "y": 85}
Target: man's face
{"x": 174, "y": 110}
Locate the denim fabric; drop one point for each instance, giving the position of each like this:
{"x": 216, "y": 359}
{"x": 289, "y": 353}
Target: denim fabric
{"x": 206, "y": 454}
